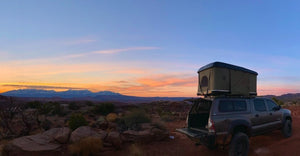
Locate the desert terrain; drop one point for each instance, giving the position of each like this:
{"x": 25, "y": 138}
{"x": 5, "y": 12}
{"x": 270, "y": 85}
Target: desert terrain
{"x": 136, "y": 138}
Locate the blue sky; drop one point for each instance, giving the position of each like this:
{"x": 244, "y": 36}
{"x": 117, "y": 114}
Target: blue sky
{"x": 153, "y": 41}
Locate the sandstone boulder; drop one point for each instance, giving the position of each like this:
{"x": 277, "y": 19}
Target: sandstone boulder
{"x": 85, "y": 131}
{"x": 114, "y": 139}
{"x": 60, "y": 135}
{"x": 38, "y": 144}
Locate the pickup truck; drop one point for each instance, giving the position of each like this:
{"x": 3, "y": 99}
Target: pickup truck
{"x": 230, "y": 121}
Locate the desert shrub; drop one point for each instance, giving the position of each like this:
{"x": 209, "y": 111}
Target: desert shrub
{"x": 279, "y": 102}
{"x": 135, "y": 150}
{"x": 34, "y": 104}
{"x": 111, "y": 117}
{"x": 73, "y": 106}
{"x": 57, "y": 109}
{"x": 86, "y": 147}
{"x": 159, "y": 111}
{"x": 77, "y": 120}
{"x": 89, "y": 103}
{"x": 45, "y": 108}
{"x": 46, "y": 124}
{"x": 166, "y": 116}
{"x": 133, "y": 119}
{"x": 103, "y": 108}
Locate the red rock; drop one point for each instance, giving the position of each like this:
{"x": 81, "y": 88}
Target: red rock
{"x": 85, "y": 131}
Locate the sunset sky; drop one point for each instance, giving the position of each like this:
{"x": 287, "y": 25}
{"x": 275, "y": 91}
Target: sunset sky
{"x": 146, "y": 48}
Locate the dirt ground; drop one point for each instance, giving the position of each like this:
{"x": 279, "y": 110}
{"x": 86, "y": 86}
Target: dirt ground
{"x": 271, "y": 144}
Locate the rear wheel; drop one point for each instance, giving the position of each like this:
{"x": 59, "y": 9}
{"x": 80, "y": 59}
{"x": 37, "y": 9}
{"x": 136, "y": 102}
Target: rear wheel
{"x": 287, "y": 128}
{"x": 239, "y": 145}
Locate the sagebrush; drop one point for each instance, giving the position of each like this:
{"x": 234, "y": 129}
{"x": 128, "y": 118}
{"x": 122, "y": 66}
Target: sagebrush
{"x": 77, "y": 120}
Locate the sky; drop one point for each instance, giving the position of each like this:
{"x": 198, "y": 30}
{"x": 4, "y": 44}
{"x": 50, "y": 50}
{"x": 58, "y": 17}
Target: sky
{"x": 146, "y": 48}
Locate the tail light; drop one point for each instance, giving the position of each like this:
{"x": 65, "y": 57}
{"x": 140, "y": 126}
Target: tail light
{"x": 187, "y": 120}
{"x": 211, "y": 126}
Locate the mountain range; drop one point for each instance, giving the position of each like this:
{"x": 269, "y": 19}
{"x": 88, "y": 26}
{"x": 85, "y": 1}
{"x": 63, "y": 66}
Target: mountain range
{"x": 53, "y": 94}
{"x": 35, "y": 94}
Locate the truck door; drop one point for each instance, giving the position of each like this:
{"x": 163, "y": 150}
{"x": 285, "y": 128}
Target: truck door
{"x": 259, "y": 116}
{"x": 274, "y": 114}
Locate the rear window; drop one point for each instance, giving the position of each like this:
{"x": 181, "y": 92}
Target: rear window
{"x": 232, "y": 106}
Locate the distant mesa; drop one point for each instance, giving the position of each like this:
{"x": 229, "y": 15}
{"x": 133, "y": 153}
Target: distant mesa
{"x": 52, "y": 93}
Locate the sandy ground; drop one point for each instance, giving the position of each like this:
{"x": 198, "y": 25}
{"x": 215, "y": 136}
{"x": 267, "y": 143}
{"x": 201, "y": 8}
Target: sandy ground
{"x": 271, "y": 144}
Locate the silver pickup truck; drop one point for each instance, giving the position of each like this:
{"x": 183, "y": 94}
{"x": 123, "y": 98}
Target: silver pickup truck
{"x": 230, "y": 121}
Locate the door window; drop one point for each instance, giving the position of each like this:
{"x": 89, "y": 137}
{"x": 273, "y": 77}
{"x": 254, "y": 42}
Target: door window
{"x": 259, "y": 105}
{"x": 271, "y": 105}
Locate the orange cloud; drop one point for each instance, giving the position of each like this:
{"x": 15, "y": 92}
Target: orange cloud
{"x": 277, "y": 89}
{"x": 168, "y": 80}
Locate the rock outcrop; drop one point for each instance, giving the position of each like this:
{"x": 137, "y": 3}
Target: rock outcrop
{"x": 85, "y": 131}
{"x": 39, "y": 144}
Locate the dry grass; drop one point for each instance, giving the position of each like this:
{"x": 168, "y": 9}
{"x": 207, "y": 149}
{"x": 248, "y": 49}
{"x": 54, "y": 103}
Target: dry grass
{"x": 135, "y": 150}
{"x": 87, "y": 146}
{"x": 3, "y": 143}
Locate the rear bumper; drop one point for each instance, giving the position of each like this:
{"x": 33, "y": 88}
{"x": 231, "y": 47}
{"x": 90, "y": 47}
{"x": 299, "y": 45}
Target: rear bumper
{"x": 203, "y": 138}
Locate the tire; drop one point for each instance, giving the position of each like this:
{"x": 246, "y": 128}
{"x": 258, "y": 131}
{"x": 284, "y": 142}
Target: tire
{"x": 239, "y": 145}
{"x": 287, "y": 129}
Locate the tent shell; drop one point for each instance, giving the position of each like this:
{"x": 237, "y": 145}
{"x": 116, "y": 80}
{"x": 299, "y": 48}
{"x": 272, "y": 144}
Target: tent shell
{"x": 220, "y": 78}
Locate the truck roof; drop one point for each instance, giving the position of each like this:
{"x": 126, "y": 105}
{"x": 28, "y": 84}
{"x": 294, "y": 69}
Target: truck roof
{"x": 226, "y": 65}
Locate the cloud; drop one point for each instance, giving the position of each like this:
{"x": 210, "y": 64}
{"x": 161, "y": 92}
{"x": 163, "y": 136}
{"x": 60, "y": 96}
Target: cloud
{"x": 110, "y": 51}
{"x": 168, "y": 80}
{"x": 79, "y": 41}
{"x": 277, "y": 89}
{"x": 113, "y": 51}
{"x": 43, "y": 87}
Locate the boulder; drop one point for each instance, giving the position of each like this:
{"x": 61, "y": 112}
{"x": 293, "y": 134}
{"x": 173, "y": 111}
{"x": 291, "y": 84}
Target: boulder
{"x": 63, "y": 134}
{"x": 38, "y": 144}
{"x": 112, "y": 126}
{"x": 60, "y": 135}
{"x": 114, "y": 139}
{"x": 85, "y": 131}
{"x": 102, "y": 133}
{"x": 102, "y": 123}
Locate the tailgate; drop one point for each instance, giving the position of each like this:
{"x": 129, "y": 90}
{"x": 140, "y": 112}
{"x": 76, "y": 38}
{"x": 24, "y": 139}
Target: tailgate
{"x": 191, "y": 133}
{"x": 200, "y": 136}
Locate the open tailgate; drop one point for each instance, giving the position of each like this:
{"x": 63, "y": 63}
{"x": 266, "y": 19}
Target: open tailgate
{"x": 189, "y": 132}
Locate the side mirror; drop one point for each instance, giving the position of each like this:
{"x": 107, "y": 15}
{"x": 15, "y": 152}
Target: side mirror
{"x": 277, "y": 108}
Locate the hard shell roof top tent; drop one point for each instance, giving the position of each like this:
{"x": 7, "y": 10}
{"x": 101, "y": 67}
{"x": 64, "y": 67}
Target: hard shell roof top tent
{"x": 220, "y": 78}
